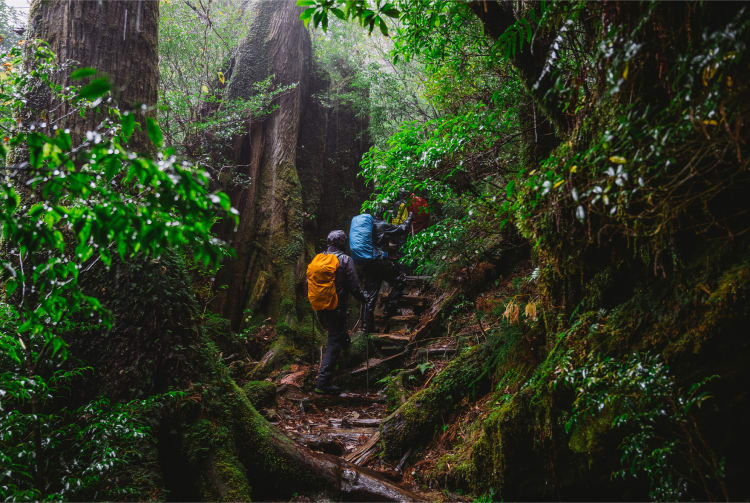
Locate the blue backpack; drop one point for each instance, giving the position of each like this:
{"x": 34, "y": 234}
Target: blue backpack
{"x": 360, "y": 239}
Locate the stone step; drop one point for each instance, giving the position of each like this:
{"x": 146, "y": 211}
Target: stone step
{"x": 401, "y": 318}
{"x": 411, "y": 302}
{"x": 350, "y": 422}
{"x": 400, "y": 339}
{"x": 345, "y": 397}
{"x": 413, "y": 279}
{"x": 419, "y": 300}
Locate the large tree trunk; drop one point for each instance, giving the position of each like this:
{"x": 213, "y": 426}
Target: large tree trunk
{"x": 118, "y": 39}
{"x": 269, "y": 240}
{"x": 302, "y": 161}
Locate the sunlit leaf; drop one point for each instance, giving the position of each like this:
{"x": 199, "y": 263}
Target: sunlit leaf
{"x": 128, "y": 125}
{"x": 154, "y": 132}
{"x": 94, "y": 89}
{"x": 82, "y": 73}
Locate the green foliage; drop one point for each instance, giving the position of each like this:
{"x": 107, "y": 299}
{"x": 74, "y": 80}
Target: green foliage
{"x": 81, "y": 448}
{"x": 362, "y": 75}
{"x": 66, "y": 208}
{"x": 197, "y": 47}
{"x": 452, "y": 159}
{"x": 10, "y": 19}
{"x": 425, "y": 366}
{"x": 487, "y": 497}
{"x": 369, "y": 16}
{"x": 661, "y": 439}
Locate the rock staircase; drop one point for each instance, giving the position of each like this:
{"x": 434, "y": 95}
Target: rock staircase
{"x": 347, "y": 425}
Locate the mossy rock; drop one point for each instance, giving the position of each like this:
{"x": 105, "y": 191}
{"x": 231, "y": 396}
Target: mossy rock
{"x": 260, "y": 393}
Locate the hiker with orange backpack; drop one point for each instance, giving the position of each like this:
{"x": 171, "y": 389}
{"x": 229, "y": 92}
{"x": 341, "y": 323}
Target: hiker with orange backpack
{"x": 330, "y": 276}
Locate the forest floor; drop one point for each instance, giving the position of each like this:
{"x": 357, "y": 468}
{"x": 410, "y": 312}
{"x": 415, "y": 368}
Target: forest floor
{"x": 400, "y": 359}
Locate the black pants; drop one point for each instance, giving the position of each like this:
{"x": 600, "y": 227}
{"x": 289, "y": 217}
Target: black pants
{"x": 334, "y": 321}
{"x": 374, "y": 273}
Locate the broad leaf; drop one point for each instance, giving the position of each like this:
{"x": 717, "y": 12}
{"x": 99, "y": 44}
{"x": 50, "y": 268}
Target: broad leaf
{"x": 128, "y": 125}
{"x": 154, "y": 132}
{"x": 82, "y": 73}
{"x": 94, "y": 89}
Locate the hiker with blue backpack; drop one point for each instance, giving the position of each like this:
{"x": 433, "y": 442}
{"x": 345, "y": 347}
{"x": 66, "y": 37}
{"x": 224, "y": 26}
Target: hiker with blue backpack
{"x": 375, "y": 246}
{"x": 330, "y": 276}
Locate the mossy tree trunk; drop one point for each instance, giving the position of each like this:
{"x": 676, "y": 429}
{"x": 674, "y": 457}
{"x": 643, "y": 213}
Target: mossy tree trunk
{"x": 269, "y": 240}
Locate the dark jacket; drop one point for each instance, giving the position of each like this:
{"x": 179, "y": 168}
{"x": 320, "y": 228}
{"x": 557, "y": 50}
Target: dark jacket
{"x": 346, "y": 278}
{"x": 383, "y": 233}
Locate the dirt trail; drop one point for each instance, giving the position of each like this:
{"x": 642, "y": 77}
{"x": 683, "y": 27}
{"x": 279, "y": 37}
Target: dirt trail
{"x": 346, "y": 425}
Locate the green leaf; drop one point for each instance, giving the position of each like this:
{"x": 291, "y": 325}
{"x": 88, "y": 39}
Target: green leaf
{"x": 128, "y": 125}
{"x": 11, "y": 286}
{"x": 306, "y": 15}
{"x": 122, "y": 248}
{"x": 390, "y": 11}
{"x": 94, "y": 89}
{"x": 13, "y": 354}
{"x": 65, "y": 142}
{"x": 57, "y": 343}
{"x": 154, "y": 132}
{"x": 338, "y": 13}
{"x": 305, "y": 3}
{"x": 106, "y": 256}
{"x": 224, "y": 201}
{"x": 82, "y": 73}
{"x": 383, "y": 27}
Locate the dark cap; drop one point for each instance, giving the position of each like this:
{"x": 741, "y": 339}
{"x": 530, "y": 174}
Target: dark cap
{"x": 337, "y": 238}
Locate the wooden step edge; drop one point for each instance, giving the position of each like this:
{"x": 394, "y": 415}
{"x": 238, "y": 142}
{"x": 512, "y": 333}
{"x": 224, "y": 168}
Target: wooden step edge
{"x": 375, "y": 362}
{"x": 400, "y": 317}
{"x": 412, "y": 299}
{"x": 395, "y": 338}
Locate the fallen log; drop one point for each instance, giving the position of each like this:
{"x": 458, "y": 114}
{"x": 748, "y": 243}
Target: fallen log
{"x": 440, "y": 352}
{"x": 359, "y": 483}
{"x": 430, "y": 318}
{"x": 276, "y": 466}
{"x": 361, "y": 456}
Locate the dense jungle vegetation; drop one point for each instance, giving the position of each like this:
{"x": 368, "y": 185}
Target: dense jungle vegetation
{"x": 581, "y": 295}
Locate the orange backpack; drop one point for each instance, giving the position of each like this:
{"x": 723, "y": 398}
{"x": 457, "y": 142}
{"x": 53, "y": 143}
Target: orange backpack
{"x": 321, "y": 282}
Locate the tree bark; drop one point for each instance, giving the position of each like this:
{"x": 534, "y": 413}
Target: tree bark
{"x": 302, "y": 162}
{"x": 269, "y": 240}
{"x": 118, "y": 39}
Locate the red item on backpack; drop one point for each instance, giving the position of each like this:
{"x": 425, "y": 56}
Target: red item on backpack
{"x": 420, "y": 210}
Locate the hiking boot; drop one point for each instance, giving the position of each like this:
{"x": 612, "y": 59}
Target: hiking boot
{"x": 327, "y": 390}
